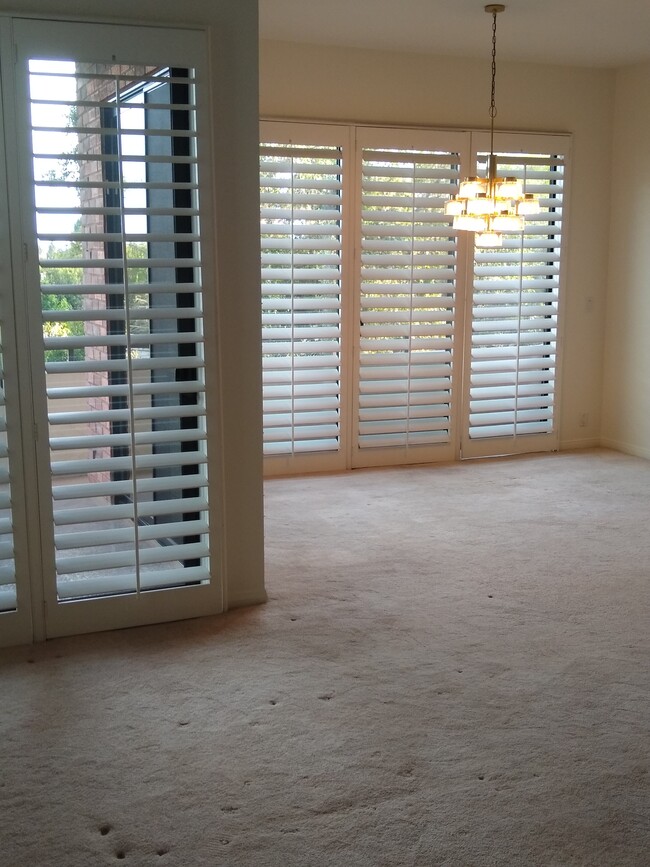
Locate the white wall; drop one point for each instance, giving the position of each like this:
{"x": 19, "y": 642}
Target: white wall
{"x": 626, "y": 392}
{"x": 328, "y": 83}
{"x": 234, "y": 92}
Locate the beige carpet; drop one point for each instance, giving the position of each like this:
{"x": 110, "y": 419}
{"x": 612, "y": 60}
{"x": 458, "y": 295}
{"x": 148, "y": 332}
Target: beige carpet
{"x": 452, "y": 669}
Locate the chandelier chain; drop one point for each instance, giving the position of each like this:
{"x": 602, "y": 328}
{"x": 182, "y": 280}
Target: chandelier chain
{"x": 491, "y": 206}
{"x": 493, "y": 103}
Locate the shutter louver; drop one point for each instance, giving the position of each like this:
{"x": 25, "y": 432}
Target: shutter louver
{"x": 514, "y": 313}
{"x": 408, "y": 273}
{"x": 7, "y": 565}
{"x": 116, "y": 195}
{"x": 301, "y": 225}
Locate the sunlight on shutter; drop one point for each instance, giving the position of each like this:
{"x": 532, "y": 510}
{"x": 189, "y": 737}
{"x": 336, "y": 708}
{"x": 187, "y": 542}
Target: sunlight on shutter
{"x": 408, "y": 273}
{"x": 116, "y": 192}
{"x": 301, "y": 226}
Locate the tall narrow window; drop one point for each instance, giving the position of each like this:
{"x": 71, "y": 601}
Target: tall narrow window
{"x": 514, "y": 314}
{"x": 301, "y": 198}
{"x": 407, "y": 298}
{"x": 116, "y": 189}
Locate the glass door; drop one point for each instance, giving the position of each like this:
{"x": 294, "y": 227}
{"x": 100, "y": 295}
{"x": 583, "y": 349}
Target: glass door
{"x": 110, "y": 126}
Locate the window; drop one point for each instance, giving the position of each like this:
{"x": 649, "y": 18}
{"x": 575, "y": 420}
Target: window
{"x": 115, "y": 370}
{"x": 422, "y": 349}
{"x": 302, "y": 210}
{"x": 122, "y": 346}
{"x": 516, "y": 294}
{"x": 407, "y": 297}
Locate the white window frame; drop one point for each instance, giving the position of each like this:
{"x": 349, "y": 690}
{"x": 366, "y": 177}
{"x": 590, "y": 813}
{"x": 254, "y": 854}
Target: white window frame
{"x": 40, "y": 612}
{"x": 315, "y": 135}
{"x": 523, "y": 143}
{"x": 468, "y": 143}
{"x": 409, "y": 140}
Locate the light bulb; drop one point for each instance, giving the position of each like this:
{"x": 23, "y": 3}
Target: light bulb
{"x": 471, "y": 188}
{"x": 507, "y": 223}
{"x": 488, "y": 239}
{"x": 482, "y": 204}
{"x": 510, "y": 188}
{"x": 529, "y": 205}
{"x": 454, "y": 207}
{"x": 470, "y": 223}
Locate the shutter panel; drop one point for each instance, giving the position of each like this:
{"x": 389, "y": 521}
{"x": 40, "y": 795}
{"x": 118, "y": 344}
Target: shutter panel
{"x": 116, "y": 195}
{"x": 515, "y": 314}
{"x": 407, "y": 298}
{"x": 419, "y": 301}
{"x": 7, "y": 566}
{"x": 301, "y": 226}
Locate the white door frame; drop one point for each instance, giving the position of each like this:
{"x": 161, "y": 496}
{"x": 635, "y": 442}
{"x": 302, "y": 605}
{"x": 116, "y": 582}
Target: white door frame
{"x": 40, "y": 613}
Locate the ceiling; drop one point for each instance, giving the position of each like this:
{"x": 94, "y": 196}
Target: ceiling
{"x": 598, "y": 33}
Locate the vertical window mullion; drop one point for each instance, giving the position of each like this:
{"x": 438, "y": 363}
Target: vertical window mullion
{"x": 114, "y": 250}
{"x": 182, "y": 199}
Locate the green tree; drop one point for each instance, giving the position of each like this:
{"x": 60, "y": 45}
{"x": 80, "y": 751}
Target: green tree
{"x": 61, "y": 276}
{"x": 68, "y": 275}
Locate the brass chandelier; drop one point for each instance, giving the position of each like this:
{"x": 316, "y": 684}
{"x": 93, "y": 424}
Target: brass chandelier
{"x": 492, "y": 205}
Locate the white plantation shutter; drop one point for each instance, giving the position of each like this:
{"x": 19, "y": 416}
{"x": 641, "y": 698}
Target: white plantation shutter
{"x": 7, "y": 564}
{"x": 116, "y": 194}
{"x": 382, "y": 321}
{"x": 513, "y": 375}
{"x": 301, "y": 235}
{"x": 407, "y": 297}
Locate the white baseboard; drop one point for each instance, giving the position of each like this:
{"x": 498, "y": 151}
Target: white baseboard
{"x": 572, "y": 445}
{"x": 626, "y": 448}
